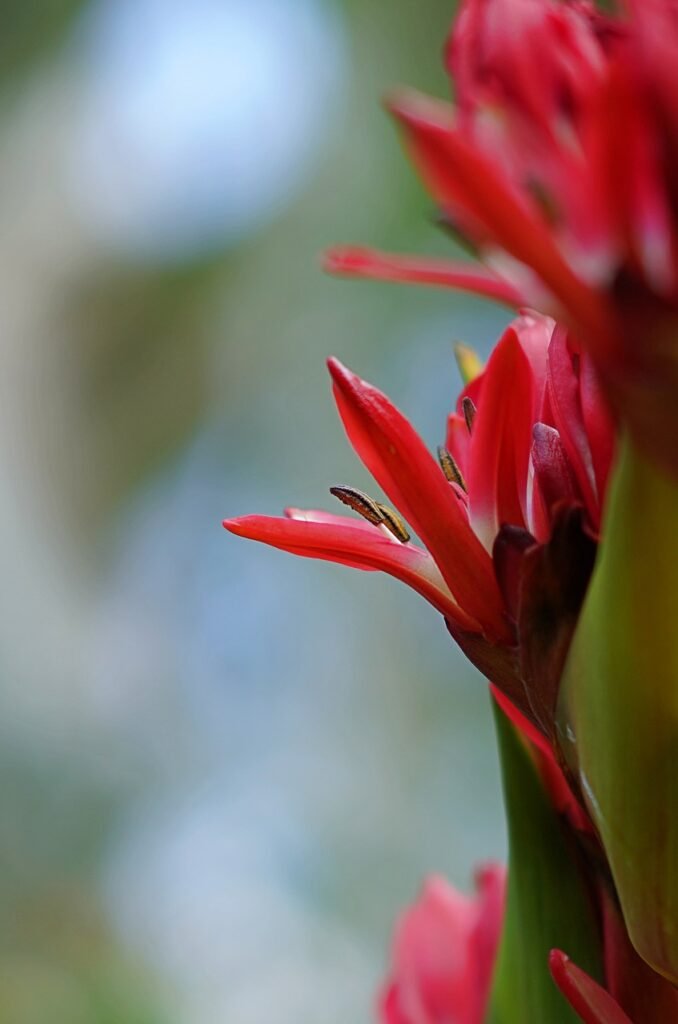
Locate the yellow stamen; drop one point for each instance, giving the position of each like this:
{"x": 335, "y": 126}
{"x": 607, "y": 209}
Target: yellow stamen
{"x": 469, "y": 362}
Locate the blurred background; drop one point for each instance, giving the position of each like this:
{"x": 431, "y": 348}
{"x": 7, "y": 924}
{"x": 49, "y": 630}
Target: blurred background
{"x": 223, "y": 770}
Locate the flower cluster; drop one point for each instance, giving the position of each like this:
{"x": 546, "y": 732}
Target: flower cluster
{"x": 544, "y": 530}
{"x": 558, "y": 164}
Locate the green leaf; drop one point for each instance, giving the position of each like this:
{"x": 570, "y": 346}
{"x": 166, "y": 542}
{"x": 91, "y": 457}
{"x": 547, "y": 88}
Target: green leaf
{"x": 618, "y": 703}
{"x": 549, "y": 905}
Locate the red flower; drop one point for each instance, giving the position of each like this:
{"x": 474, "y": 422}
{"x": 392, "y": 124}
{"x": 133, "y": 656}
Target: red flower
{"x": 559, "y": 163}
{"x": 507, "y": 518}
{"x": 443, "y": 953}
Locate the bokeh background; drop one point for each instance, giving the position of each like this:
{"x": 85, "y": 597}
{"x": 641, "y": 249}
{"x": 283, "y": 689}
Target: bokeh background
{"x": 223, "y": 770}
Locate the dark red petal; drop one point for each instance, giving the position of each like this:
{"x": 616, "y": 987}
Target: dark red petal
{"x": 508, "y": 552}
{"x": 598, "y": 422}
{"x": 551, "y": 466}
{"x": 564, "y": 394}
{"x": 461, "y": 177}
{"x": 639, "y": 990}
{"x": 355, "y": 261}
{"x": 593, "y": 1004}
{"x": 400, "y": 462}
{"x": 555, "y": 576}
{"x": 358, "y": 545}
{"x": 498, "y": 663}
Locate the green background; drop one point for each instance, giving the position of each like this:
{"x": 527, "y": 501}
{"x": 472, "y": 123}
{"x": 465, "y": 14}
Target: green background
{"x": 223, "y": 770}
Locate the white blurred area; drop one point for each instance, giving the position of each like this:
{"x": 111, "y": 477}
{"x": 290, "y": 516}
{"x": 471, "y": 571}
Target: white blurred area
{"x": 287, "y": 747}
{"x": 198, "y": 121}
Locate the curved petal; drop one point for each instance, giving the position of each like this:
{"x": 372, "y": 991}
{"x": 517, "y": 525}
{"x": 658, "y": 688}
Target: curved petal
{"x": 501, "y": 440}
{"x": 400, "y": 462}
{"x": 356, "y": 261}
{"x": 362, "y": 546}
{"x": 461, "y": 177}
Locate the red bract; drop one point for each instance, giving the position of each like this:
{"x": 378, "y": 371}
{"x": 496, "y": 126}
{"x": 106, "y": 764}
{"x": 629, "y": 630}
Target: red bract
{"x": 507, "y": 518}
{"x": 591, "y": 1002}
{"x": 559, "y": 162}
{"x": 443, "y": 953}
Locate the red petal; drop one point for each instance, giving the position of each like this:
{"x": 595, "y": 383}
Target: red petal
{"x": 593, "y": 1004}
{"x": 598, "y": 423}
{"x": 400, "y": 462}
{"x": 639, "y": 990}
{"x": 551, "y": 465}
{"x": 359, "y": 545}
{"x": 355, "y": 261}
{"x": 564, "y": 394}
{"x": 462, "y": 178}
{"x": 499, "y": 454}
{"x": 551, "y": 774}
{"x": 457, "y": 440}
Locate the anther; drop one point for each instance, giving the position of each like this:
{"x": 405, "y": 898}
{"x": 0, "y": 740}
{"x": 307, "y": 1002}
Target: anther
{"x": 469, "y": 411}
{"x": 359, "y": 502}
{"x": 373, "y": 511}
{"x": 450, "y": 467}
{"x": 394, "y": 523}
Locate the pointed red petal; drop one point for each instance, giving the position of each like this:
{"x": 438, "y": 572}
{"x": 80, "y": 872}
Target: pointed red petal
{"x": 461, "y": 177}
{"x": 359, "y": 545}
{"x": 559, "y": 792}
{"x": 355, "y": 261}
{"x": 499, "y": 454}
{"x": 593, "y": 1004}
{"x": 400, "y": 462}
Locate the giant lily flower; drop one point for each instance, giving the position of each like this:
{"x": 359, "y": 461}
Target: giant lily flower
{"x": 559, "y": 164}
{"x": 507, "y": 517}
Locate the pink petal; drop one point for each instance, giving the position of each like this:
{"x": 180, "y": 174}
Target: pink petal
{"x": 443, "y": 953}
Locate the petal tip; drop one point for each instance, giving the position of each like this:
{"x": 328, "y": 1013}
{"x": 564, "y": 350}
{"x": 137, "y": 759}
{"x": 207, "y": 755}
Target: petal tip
{"x": 234, "y": 525}
{"x": 342, "y": 259}
{"x": 339, "y": 373}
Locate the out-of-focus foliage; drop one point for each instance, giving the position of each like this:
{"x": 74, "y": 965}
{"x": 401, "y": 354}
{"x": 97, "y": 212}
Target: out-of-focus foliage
{"x": 30, "y": 28}
{"x": 222, "y": 771}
